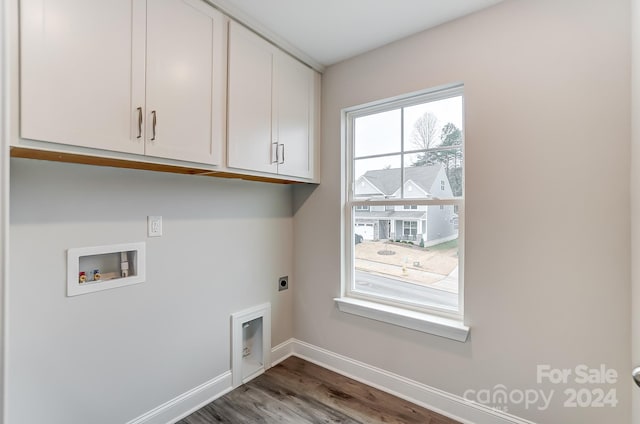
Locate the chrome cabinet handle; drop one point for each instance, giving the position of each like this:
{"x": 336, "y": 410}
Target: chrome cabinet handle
{"x": 139, "y": 122}
{"x": 275, "y": 143}
{"x": 282, "y": 154}
{"x": 154, "y": 121}
{"x": 636, "y": 375}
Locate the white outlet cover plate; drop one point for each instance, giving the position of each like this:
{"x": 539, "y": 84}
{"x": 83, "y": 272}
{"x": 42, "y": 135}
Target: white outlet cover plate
{"x": 154, "y": 226}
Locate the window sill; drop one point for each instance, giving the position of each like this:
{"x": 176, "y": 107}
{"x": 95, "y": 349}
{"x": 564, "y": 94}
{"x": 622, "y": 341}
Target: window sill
{"x": 419, "y": 321}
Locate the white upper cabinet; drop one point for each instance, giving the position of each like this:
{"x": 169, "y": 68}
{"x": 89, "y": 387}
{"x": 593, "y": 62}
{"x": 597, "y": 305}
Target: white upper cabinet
{"x": 184, "y": 79}
{"x": 76, "y": 73}
{"x": 170, "y": 79}
{"x": 132, "y": 76}
{"x": 271, "y": 108}
{"x": 294, "y": 85}
{"x": 250, "y": 102}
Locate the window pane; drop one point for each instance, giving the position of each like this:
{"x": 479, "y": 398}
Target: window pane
{"x": 377, "y": 134}
{"x": 408, "y": 255}
{"x": 433, "y": 124}
{"x": 377, "y": 177}
{"x": 433, "y": 175}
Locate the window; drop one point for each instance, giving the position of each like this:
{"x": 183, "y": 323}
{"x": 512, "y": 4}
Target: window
{"x": 410, "y": 153}
{"x": 409, "y": 230}
{"x": 363, "y": 208}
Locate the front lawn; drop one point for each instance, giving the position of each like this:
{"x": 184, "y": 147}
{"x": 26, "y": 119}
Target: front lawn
{"x": 453, "y": 244}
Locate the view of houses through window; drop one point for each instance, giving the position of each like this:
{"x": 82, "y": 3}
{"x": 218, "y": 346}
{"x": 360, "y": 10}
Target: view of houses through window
{"x": 406, "y": 173}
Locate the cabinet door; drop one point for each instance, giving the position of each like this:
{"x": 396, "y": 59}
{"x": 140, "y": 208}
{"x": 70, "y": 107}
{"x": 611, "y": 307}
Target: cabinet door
{"x": 184, "y": 44}
{"x": 249, "y": 140}
{"x": 76, "y": 72}
{"x": 295, "y": 90}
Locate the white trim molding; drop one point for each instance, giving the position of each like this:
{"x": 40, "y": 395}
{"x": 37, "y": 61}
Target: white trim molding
{"x": 188, "y": 402}
{"x": 281, "y": 352}
{"x": 447, "y": 404}
{"x": 419, "y": 321}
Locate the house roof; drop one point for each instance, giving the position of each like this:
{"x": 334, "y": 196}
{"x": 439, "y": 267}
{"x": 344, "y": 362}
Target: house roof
{"x": 388, "y": 180}
{"x": 366, "y": 188}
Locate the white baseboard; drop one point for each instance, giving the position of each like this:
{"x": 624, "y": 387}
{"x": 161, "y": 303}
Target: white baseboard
{"x": 282, "y": 351}
{"x": 450, "y": 405}
{"x": 188, "y": 402}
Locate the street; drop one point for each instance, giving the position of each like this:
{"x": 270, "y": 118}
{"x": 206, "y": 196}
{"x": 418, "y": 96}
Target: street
{"x": 385, "y": 286}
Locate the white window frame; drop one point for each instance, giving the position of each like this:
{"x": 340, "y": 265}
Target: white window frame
{"x": 428, "y": 318}
{"x": 412, "y": 223}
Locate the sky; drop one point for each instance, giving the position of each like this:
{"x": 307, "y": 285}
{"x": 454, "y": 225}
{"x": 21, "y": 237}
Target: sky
{"x": 380, "y": 133}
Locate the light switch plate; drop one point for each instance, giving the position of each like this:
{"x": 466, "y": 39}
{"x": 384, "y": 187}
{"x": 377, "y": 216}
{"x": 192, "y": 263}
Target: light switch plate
{"x": 154, "y": 226}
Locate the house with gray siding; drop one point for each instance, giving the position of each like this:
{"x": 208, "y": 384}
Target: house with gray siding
{"x": 415, "y": 223}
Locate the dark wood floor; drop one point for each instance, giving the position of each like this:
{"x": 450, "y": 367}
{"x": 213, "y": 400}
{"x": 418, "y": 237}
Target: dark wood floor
{"x": 298, "y": 392}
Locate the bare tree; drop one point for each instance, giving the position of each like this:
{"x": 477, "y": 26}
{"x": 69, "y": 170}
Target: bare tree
{"x": 424, "y": 137}
{"x": 424, "y": 131}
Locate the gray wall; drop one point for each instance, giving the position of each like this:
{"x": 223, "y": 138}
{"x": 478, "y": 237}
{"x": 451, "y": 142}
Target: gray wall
{"x": 4, "y": 195}
{"x": 547, "y": 86}
{"x": 635, "y": 197}
{"x": 107, "y": 357}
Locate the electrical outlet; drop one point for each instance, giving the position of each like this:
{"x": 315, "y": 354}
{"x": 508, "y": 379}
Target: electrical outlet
{"x": 154, "y": 226}
{"x": 283, "y": 283}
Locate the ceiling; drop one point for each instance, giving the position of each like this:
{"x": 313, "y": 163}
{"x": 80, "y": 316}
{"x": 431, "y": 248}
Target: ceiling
{"x": 329, "y": 31}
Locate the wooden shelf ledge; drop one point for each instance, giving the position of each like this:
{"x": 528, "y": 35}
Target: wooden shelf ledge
{"x": 29, "y": 153}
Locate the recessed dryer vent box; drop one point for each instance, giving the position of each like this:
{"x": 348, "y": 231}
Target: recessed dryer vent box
{"x": 250, "y": 343}
{"x": 91, "y": 269}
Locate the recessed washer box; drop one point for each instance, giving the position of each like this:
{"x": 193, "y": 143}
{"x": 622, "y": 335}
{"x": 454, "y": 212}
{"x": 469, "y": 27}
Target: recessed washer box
{"x": 91, "y": 269}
